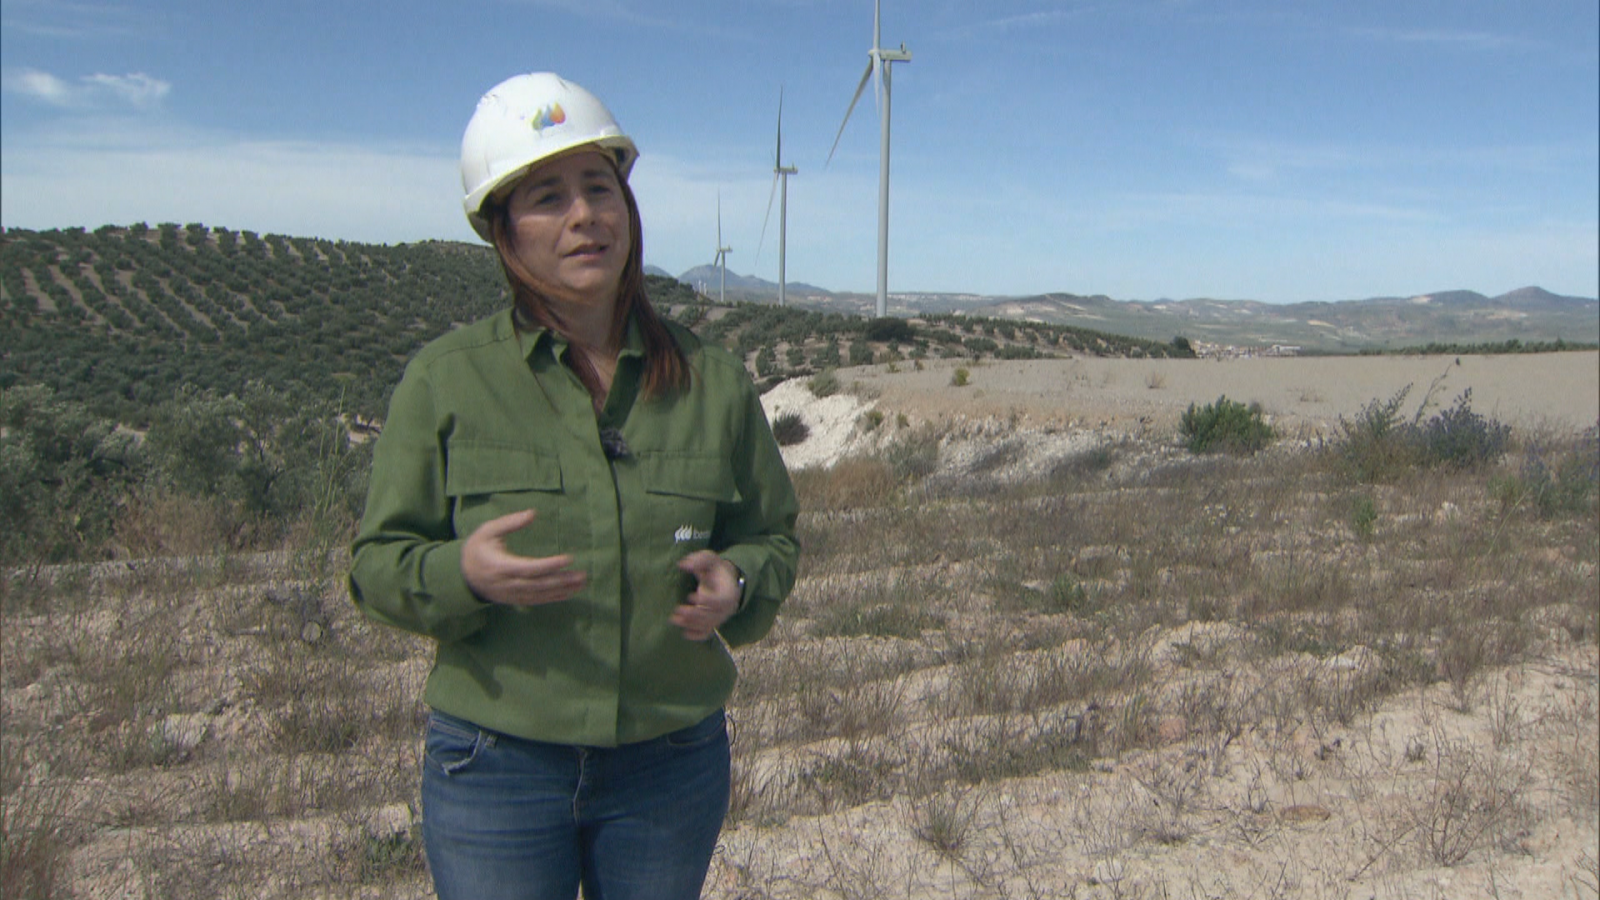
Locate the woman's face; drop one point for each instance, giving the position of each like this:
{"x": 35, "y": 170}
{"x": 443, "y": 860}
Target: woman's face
{"x": 569, "y": 228}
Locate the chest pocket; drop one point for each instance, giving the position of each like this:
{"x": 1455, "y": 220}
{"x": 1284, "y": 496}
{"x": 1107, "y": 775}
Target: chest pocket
{"x": 486, "y": 481}
{"x": 684, "y": 492}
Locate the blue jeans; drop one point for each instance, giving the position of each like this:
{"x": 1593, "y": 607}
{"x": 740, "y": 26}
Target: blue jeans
{"x": 504, "y": 817}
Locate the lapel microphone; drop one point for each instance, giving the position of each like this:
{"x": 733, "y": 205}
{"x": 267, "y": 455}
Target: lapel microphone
{"x": 613, "y": 445}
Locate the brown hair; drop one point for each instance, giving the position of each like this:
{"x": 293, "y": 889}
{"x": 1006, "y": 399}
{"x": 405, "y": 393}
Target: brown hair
{"x": 665, "y": 367}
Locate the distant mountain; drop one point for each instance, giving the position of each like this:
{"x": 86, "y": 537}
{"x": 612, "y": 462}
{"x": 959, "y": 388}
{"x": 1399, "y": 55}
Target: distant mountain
{"x": 706, "y": 279}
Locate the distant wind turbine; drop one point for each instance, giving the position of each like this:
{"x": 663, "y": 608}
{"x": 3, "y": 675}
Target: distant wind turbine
{"x": 878, "y": 60}
{"x": 721, "y": 259}
{"x": 779, "y": 170}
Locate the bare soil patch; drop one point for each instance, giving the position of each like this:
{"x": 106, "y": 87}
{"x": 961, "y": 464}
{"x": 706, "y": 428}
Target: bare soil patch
{"x": 1306, "y": 395}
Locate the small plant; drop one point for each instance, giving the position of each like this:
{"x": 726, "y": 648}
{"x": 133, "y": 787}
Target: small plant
{"x": 1364, "y": 516}
{"x": 959, "y": 377}
{"x": 381, "y": 859}
{"x": 1475, "y": 798}
{"x": 1155, "y": 381}
{"x": 864, "y": 617}
{"x": 1226, "y": 425}
{"x": 870, "y": 420}
{"x": 790, "y": 429}
{"x": 945, "y": 821}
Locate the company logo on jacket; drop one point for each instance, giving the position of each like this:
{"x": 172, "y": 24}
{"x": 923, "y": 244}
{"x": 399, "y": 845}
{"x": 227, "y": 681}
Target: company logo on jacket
{"x": 688, "y": 533}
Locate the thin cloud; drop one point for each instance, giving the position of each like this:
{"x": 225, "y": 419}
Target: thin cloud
{"x": 1027, "y": 22}
{"x": 1469, "y": 40}
{"x": 41, "y": 86}
{"x": 618, "y": 12}
{"x": 72, "y": 21}
{"x": 135, "y": 89}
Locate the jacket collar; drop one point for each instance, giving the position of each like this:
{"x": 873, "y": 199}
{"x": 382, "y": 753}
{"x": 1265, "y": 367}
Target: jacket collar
{"x": 531, "y": 340}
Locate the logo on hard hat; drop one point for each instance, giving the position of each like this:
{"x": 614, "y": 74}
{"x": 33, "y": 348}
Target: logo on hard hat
{"x": 550, "y": 115}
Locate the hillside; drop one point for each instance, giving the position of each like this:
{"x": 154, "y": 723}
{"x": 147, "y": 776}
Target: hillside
{"x": 120, "y": 318}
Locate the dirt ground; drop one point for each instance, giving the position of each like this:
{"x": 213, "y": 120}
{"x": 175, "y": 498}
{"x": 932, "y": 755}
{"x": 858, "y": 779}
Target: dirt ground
{"x": 1352, "y": 797}
{"x": 1305, "y": 395}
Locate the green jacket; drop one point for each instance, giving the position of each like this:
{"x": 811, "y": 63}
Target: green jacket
{"x": 488, "y": 422}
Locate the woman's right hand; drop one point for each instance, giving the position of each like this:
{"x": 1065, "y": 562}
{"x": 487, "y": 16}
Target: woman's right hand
{"x": 500, "y": 576}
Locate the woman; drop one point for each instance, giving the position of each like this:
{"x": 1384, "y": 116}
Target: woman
{"x": 584, "y": 506}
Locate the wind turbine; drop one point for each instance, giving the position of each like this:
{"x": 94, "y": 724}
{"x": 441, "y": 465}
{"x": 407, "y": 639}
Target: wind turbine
{"x": 721, "y": 259}
{"x": 878, "y": 60}
{"x": 779, "y": 170}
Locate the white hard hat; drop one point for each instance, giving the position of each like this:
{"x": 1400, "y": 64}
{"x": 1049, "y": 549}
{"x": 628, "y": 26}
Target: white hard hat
{"x": 525, "y": 119}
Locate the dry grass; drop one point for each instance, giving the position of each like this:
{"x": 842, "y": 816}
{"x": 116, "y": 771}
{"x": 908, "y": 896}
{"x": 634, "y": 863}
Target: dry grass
{"x": 1085, "y": 685}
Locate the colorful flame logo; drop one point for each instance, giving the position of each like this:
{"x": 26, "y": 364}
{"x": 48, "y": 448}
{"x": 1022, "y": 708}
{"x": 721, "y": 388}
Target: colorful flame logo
{"x": 550, "y": 115}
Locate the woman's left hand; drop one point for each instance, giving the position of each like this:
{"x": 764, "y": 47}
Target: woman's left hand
{"x": 713, "y": 600}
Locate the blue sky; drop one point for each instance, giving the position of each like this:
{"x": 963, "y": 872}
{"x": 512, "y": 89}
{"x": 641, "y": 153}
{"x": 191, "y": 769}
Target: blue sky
{"x": 1238, "y": 149}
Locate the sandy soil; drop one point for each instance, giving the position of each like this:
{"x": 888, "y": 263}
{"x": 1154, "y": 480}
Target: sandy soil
{"x": 1089, "y": 396}
{"x": 1306, "y": 394}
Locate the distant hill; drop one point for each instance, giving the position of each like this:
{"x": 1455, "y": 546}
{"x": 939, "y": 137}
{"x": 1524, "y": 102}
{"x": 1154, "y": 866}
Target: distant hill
{"x": 1455, "y": 317}
{"x": 121, "y": 319}
{"x": 1527, "y": 315}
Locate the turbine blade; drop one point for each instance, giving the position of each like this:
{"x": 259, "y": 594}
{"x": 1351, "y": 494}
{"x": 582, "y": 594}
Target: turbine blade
{"x": 764, "y": 219}
{"x": 859, "y": 88}
{"x": 779, "y": 158}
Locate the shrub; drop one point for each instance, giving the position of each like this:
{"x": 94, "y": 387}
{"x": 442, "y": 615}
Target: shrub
{"x": 915, "y": 454}
{"x": 63, "y": 474}
{"x": 890, "y": 329}
{"x": 1462, "y": 438}
{"x": 1555, "y": 481}
{"x": 870, "y": 420}
{"x": 1377, "y": 444}
{"x": 1226, "y": 425}
{"x": 824, "y": 384}
{"x": 959, "y": 377}
{"x": 790, "y": 429}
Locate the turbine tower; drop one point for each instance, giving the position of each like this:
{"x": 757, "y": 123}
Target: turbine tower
{"x": 878, "y": 60}
{"x": 721, "y": 259}
{"x": 779, "y": 170}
